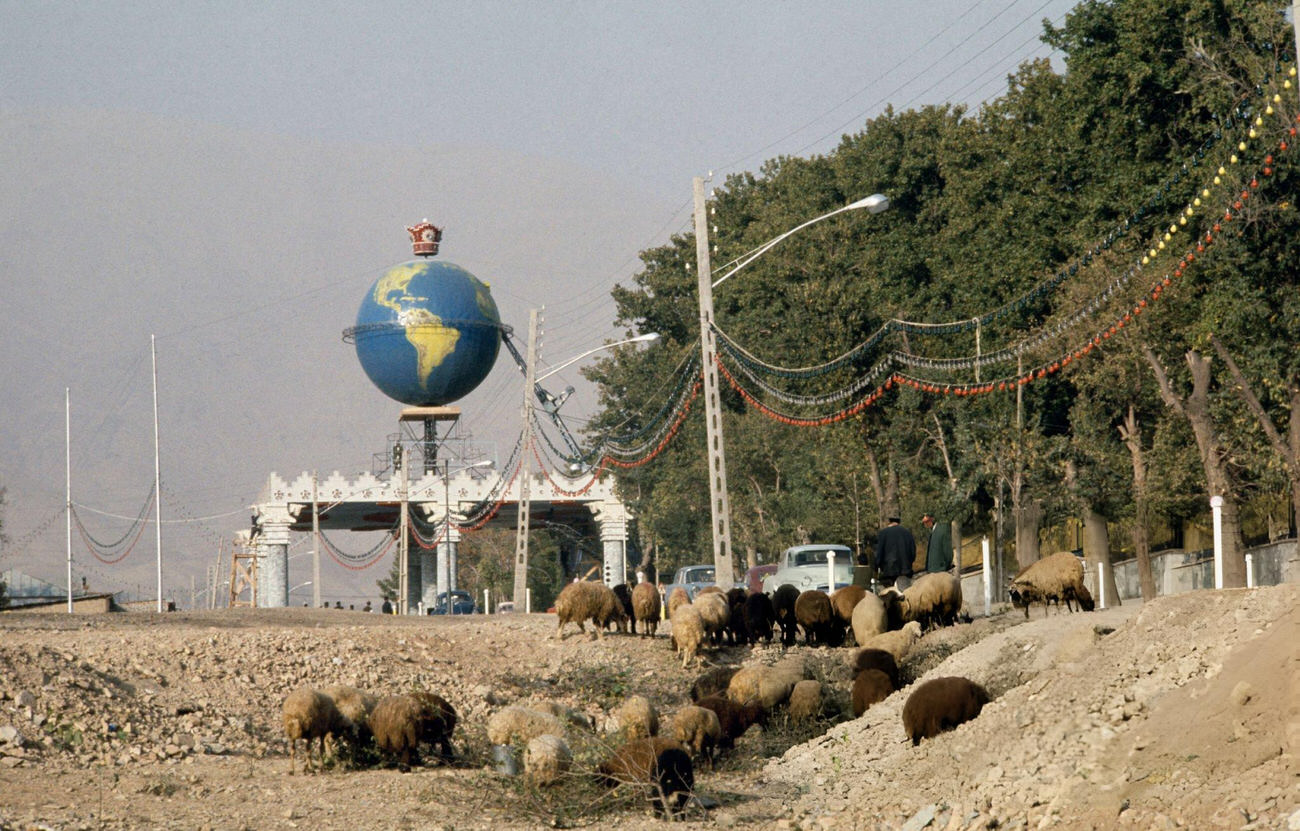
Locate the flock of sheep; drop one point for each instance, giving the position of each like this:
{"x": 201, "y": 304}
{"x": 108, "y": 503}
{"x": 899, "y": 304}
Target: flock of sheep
{"x": 726, "y": 701}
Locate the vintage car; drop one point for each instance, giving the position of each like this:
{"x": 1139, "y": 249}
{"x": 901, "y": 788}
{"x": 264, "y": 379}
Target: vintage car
{"x": 692, "y": 579}
{"x": 808, "y": 567}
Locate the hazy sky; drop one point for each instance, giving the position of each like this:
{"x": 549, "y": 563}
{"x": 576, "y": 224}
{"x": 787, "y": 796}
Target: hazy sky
{"x": 600, "y": 113}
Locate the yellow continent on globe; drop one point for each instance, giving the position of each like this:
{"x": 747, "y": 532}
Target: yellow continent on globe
{"x": 424, "y": 330}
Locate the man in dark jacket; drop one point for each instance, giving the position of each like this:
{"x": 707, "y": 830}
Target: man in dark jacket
{"x": 895, "y": 553}
{"x": 938, "y": 551}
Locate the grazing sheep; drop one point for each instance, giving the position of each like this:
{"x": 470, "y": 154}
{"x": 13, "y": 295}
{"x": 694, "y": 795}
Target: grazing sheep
{"x": 662, "y": 764}
{"x": 688, "y": 633}
{"x": 783, "y": 600}
{"x": 511, "y": 725}
{"x": 438, "y": 719}
{"x": 870, "y": 686}
{"x": 566, "y": 715}
{"x": 646, "y": 607}
{"x": 713, "y": 681}
{"x": 714, "y": 612}
{"x": 401, "y": 722}
{"x": 813, "y": 611}
{"x": 844, "y": 600}
{"x": 1056, "y": 578}
{"x": 624, "y": 595}
{"x": 805, "y": 701}
{"x": 637, "y": 718}
{"x": 759, "y": 617}
{"x": 356, "y": 706}
{"x": 587, "y": 600}
{"x": 678, "y": 598}
{"x": 699, "y": 729}
{"x": 933, "y": 600}
{"x": 1084, "y": 598}
{"x": 869, "y": 618}
{"x": 892, "y": 599}
{"x": 737, "y": 631}
{"x": 734, "y": 718}
{"x": 868, "y": 658}
{"x": 941, "y": 704}
{"x": 896, "y": 643}
{"x": 768, "y": 686}
{"x": 710, "y": 590}
{"x": 310, "y": 714}
{"x": 547, "y": 759}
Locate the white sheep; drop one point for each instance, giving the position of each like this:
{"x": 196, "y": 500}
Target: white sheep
{"x": 898, "y": 642}
{"x": 687, "y": 632}
{"x": 805, "y": 700}
{"x": 547, "y": 759}
{"x": 637, "y": 718}
{"x": 868, "y": 618}
{"x": 933, "y": 600}
{"x": 714, "y": 612}
{"x": 699, "y": 729}
{"x": 310, "y": 714}
{"x": 1058, "y": 577}
{"x": 511, "y": 725}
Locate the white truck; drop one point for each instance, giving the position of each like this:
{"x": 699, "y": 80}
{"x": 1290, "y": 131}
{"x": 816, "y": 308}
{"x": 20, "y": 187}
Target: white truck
{"x": 808, "y": 567}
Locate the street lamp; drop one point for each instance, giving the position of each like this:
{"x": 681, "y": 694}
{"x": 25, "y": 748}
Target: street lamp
{"x": 719, "y": 504}
{"x": 532, "y": 388}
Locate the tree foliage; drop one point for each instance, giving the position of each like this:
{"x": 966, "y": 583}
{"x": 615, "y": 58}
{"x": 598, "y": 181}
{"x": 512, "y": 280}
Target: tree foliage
{"x": 1031, "y": 215}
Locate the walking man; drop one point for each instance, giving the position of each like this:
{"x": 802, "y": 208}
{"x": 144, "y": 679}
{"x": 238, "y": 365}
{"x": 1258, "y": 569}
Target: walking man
{"x": 938, "y": 551}
{"x": 895, "y": 553}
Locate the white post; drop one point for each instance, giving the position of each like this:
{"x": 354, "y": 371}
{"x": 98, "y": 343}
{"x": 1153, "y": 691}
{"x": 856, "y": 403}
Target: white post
{"x": 157, "y": 476}
{"x": 1250, "y": 570}
{"x": 1216, "y": 508}
{"x": 1101, "y": 584}
{"x": 528, "y": 601}
{"x": 988, "y": 579}
{"x": 67, "y": 447}
{"x": 487, "y": 606}
{"x": 830, "y": 564}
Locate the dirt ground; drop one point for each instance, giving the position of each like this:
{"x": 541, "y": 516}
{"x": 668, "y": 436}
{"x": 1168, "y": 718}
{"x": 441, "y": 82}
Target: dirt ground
{"x": 1184, "y": 712}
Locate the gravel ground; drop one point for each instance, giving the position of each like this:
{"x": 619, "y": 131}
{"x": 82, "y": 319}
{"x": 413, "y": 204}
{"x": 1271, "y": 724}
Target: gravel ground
{"x": 1184, "y": 712}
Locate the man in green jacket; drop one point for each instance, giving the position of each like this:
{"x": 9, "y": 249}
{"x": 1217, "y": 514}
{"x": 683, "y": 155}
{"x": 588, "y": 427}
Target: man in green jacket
{"x": 938, "y": 553}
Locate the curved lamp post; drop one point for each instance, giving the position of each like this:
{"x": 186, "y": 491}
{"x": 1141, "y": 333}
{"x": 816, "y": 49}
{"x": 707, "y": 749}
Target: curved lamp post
{"x": 719, "y": 503}
{"x": 532, "y": 389}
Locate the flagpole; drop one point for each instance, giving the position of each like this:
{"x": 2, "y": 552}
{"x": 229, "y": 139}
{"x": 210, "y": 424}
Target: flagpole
{"x": 67, "y": 478}
{"x": 157, "y": 477}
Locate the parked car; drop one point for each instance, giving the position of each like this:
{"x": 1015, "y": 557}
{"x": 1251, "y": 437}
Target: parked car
{"x": 692, "y": 579}
{"x": 461, "y": 604}
{"x": 806, "y": 567}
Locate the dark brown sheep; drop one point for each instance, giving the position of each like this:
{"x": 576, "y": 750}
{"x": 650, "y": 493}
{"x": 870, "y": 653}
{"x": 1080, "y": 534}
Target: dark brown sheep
{"x": 870, "y": 686}
{"x": 438, "y": 722}
{"x": 783, "y": 600}
{"x": 813, "y": 612}
{"x": 734, "y": 718}
{"x": 759, "y": 617}
{"x": 587, "y": 600}
{"x": 941, "y": 704}
{"x": 870, "y": 658}
{"x": 646, "y": 607}
{"x": 713, "y": 682}
{"x": 660, "y": 764}
{"x": 737, "y": 631}
{"x": 845, "y": 599}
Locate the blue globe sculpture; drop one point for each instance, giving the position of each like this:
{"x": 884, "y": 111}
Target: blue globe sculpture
{"x": 427, "y": 333}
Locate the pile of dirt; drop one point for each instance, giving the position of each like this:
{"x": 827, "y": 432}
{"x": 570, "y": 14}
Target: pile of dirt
{"x": 1182, "y": 712}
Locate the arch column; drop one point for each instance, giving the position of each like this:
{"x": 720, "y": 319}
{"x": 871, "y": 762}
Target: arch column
{"x": 273, "y": 558}
{"x": 612, "y": 516}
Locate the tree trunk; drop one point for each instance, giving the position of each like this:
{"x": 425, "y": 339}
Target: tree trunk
{"x": 1130, "y": 432}
{"x": 1028, "y": 516}
{"x": 1096, "y": 550}
{"x": 886, "y": 487}
{"x": 1288, "y": 449}
{"x": 1195, "y": 407}
{"x": 751, "y": 556}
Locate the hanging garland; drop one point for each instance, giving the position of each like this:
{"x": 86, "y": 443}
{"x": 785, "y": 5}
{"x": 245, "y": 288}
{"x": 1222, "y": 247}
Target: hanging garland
{"x": 358, "y": 562}
{"x": 106, "y": 552}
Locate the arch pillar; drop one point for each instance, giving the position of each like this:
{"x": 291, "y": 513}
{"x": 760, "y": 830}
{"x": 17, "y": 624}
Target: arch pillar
{"x": 272, "y": 542}
{"x": 612, "y": 516}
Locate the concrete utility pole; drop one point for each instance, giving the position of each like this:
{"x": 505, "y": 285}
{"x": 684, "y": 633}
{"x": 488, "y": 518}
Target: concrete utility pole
{"x": 315, "y": 544}
{"x": 403, "y": 542}
{"x": 719, "y": 504}
{"x": 525, "y": 473}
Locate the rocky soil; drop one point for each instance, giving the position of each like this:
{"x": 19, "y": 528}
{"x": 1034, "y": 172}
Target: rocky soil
{"x": 1184, "y": 712}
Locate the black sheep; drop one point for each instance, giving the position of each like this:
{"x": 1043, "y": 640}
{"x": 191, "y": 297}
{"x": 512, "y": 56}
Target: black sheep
{"x": 941, "y": 704}
{"x": 624, "y": 595}
{"x": 783, "y": 601}
{"x": 662, "y": 764}
{"x": 759, "y": 617}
